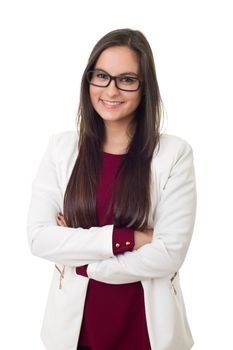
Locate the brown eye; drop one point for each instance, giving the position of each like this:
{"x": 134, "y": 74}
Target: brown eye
{"x": 128, "y": 80}
{"x": 102, "y": 76}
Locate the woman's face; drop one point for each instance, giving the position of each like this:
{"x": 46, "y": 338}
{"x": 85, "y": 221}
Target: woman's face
{"x": 112, "y": 104}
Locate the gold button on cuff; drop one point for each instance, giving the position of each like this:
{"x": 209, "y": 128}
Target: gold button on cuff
{"x": 127, "y": 243}
{"x": 117, "y": 245}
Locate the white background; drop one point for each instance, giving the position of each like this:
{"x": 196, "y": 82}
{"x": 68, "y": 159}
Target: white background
{"x": 44, "y": 49}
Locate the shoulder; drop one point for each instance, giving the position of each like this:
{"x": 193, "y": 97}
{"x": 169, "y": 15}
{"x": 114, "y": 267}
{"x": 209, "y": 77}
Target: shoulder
{"x": 65, "y": 138}
{"x": 64, "y": 143}
{"x": 171, "y": 146}
{"x": 172, "y": 151}
{"x": 172, "y": 143}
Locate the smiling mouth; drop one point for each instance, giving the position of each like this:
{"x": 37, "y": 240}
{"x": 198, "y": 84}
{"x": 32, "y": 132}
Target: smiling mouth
{"x": 111, "y": 103}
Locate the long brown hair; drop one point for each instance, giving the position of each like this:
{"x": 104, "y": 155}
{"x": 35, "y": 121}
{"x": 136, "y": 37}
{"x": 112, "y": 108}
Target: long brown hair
{"x": 132, "y": 203}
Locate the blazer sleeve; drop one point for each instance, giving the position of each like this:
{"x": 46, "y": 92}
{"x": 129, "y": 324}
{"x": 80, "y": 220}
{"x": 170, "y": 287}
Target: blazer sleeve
{"x": 62, "y": 245}
{"x": 173, "y": 227}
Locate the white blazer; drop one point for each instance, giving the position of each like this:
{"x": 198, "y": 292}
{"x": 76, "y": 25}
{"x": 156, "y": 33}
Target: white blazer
{"x": 156, "y": 265}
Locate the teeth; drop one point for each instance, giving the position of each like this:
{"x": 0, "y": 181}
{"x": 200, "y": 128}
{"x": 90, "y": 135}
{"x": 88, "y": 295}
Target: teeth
{"x": 112, "y": 102}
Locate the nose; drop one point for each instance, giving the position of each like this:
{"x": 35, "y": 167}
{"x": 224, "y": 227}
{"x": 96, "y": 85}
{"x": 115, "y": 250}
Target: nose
{"x": 112, "y": 89}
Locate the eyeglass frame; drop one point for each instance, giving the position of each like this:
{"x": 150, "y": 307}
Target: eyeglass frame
{"x": 112, "y": 77}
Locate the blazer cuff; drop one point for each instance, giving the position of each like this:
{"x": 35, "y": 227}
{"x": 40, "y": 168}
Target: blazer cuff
{"x": 122, "y": 240}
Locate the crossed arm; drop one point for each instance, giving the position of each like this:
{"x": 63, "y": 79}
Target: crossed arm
{"x": 153, "y": 256}
{"x": 140, "y": 238}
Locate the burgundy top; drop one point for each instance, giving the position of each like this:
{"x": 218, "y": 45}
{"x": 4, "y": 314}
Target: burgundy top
{"x": 114, "y": 314}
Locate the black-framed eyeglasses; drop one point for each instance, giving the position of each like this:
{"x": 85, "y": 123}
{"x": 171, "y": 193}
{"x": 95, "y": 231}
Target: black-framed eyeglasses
{"x": 124, "y": 82}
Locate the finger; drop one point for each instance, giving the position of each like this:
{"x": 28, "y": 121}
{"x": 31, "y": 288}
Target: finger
{"x": 63, "y": 222}
{"x": 58, "y": 221}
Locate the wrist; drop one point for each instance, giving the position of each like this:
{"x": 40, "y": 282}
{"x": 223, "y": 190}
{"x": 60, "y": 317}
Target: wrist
{"x": 142, "y": 237}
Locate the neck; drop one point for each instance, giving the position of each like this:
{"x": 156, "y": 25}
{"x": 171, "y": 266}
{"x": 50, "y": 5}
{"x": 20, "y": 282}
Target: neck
{"x": 117, "y": 138}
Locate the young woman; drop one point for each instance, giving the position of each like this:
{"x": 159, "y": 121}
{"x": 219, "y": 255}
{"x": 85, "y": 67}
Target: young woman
{"x": 113, "y": 206}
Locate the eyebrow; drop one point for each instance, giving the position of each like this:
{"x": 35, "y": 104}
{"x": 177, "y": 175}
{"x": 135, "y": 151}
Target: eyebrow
{"x": 125, "y": 73}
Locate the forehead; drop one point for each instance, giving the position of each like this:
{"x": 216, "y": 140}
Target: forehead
{"x": 117, "y": 60}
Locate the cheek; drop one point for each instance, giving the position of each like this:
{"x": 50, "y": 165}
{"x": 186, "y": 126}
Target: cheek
{"x": 93, "y": 94}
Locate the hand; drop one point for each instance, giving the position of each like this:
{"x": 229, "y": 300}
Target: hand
{"x": 60, "y": 220}
{"x": 142, "y": 237}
